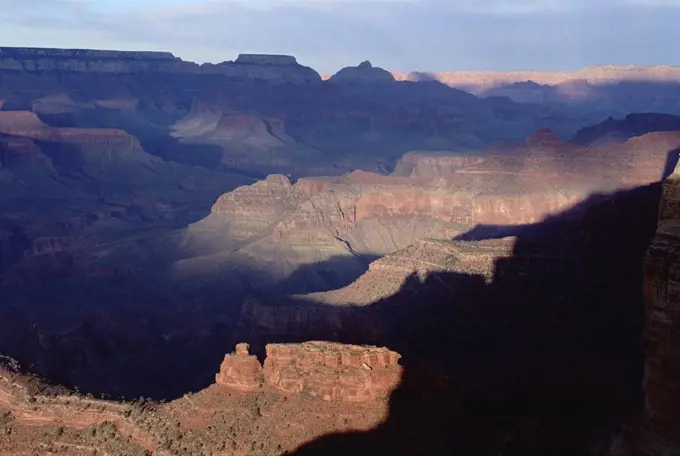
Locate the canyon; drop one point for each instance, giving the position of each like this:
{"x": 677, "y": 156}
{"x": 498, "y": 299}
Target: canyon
{"x": 218, "y": 420}
{"x": 662, "y": 378}
{"x": 459, "y": 250}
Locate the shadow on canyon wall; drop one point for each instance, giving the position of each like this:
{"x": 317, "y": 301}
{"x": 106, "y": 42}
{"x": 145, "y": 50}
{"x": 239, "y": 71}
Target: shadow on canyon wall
{"x": 546, "y": 358}
{"x": 138, "y": 334}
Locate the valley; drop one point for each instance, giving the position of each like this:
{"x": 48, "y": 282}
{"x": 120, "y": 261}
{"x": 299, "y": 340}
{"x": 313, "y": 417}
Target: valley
{"x": 463, "y": 250}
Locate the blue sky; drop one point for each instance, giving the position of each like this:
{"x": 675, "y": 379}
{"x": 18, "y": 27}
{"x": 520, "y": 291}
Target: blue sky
{"x": 402, "y": 35}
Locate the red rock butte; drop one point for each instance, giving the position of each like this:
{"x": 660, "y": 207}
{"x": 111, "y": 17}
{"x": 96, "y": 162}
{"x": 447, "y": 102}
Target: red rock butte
{"x": 330, "y": 371}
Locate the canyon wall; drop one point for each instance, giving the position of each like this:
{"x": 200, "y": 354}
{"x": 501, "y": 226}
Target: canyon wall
{"x": 326, "y": 370}
{"x": 272, "y": 68}
{"x": 662, "y": 293}
{"x": 286, "y": 224}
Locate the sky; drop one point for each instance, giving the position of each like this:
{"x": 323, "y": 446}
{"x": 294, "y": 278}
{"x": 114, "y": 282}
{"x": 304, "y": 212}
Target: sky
{"x": 399, "y": 35}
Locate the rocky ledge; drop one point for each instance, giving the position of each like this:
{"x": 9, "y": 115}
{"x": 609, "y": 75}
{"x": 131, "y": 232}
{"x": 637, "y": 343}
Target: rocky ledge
{"x": 326, "y": 370}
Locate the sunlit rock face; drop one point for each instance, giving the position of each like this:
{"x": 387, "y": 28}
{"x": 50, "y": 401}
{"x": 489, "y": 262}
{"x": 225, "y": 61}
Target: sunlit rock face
{"x": 240, "y": 371}
{"x": 326, "y": 370}
{"x": 285, "y": 223}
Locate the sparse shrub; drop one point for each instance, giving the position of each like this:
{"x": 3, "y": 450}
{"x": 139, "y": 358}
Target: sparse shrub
{"x": 6, "y": 417}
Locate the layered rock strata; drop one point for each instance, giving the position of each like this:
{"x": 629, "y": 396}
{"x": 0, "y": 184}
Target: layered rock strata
{"x": 240, "y": 371}
{"x": 272, "y": 68}
{"x": 286, "y": 223}
{"x": 326, "y": 370}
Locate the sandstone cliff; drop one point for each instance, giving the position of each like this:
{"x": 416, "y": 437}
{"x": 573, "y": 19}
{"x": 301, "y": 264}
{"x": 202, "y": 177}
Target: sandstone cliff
{"x": 240, "y": 371}
{"x": 326, "y": 370}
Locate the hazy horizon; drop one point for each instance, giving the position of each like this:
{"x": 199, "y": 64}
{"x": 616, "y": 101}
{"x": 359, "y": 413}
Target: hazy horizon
{"x": 399, "y": 35}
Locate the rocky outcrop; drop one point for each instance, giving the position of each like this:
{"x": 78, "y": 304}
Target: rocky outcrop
{"x": 333, "y": 371}
{"x": 387, "y": 275}
{"x": 271, "y": 68}
{"x": 661, "y": 275}
{"x": 364, "y": 73}
{"x": 326, "y": 370}
{"x": 248, "y": 212}
{"x": 240, "y": 371}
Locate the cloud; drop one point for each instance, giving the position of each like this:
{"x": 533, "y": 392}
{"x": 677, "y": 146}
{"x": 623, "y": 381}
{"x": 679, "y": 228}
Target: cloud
{"x": 328, "y": 34}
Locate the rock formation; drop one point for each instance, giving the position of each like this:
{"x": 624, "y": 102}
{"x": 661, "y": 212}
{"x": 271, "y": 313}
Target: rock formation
{"x": 286, "y": 225}
{"x": 264, "y": 59}
{"x": 329, "y": 371}
{"x": 344, "y": 389}
{"x": 240, "y": 371}
{"x": 250, "y": 143}
{"x": 662, "y": 376}
{"x": 333, "y": 371}
{"x": 267, "y": 114}
{"x": 364, "y": 73}
{"x": 104, "y": 155}
{"x": 276, "y": 69}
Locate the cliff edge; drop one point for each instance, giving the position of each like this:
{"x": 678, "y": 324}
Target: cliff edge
{"x": 662, "y": 297}
{"x": 271, "y": 68}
